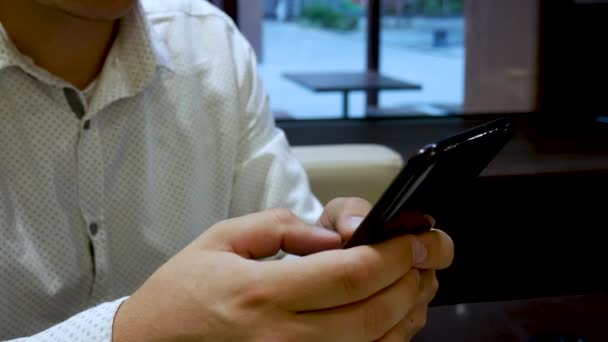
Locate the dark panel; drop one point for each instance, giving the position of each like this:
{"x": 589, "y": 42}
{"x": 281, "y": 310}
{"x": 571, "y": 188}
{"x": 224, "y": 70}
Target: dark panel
{"x": 373, "y": 45}
{"x": 572, "y": 60}
{"x": 231, "y": 7}
{"x": 527, "y": 236}
{"x": 532, "y": 226}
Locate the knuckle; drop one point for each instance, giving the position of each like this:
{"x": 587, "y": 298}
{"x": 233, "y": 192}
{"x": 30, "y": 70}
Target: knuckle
{"x": 283, "y": 216}
{"x": 358, "y": 205}
{"x": 336, "y": 201}
{"x": 350, "y": 279}
{"x": 356, "y": 202}
{"x": 353, "y": 276}
{"x": 252, "y": 295}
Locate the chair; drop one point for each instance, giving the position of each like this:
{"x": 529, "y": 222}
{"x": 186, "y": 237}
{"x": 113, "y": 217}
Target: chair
{"x": 349, "y": 170}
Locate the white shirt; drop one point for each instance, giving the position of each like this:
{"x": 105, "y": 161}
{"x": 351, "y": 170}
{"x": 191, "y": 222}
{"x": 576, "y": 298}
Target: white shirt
{"x": 177, "y": 136}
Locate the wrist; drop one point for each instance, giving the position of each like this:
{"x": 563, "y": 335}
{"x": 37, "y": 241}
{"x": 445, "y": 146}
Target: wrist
{"x": 129, "y": 324}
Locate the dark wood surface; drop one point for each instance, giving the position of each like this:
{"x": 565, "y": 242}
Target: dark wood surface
{"x": 349, "y": 81}
{"x": 551, "y": 319}
{"x": 374, "y": 18}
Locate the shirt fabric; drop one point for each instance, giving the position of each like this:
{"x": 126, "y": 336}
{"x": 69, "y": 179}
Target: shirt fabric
{"x": 98, "y": 191}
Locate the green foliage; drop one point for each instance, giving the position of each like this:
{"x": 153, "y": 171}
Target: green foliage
{"x": 343, "y": 15}
{"x": 438, "y": 7}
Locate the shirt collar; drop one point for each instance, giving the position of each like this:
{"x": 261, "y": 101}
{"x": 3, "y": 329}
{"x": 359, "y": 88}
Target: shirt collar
{"x": 11, "y": 57}
{"x": 7, "y": 57}
{"x": 131, "y": 65}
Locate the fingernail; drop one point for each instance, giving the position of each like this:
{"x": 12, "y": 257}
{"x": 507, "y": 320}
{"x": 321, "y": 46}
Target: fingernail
{"x": 324, "y": 232}
{"x": 431, "y": 220}
{"x": 419, "y": 252}
{"x": 354, "y": 222}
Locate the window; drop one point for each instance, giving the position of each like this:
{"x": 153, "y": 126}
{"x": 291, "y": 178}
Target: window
{"x": 423, "y": 42}
{"x": 442, "y": 56}
{"x": 311, "y": 37}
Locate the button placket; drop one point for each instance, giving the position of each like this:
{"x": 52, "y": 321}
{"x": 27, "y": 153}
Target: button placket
{"x": 90, "y": 189}
{"x": 90, "y": 181}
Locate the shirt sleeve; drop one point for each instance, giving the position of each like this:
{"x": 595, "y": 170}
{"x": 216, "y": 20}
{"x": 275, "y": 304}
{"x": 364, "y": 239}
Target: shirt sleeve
{"x": 267, "y": 173}
{"x": 93, "y": 325}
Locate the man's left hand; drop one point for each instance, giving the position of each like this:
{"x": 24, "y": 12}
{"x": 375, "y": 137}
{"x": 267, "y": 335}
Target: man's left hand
{"x": 344, "y": 215}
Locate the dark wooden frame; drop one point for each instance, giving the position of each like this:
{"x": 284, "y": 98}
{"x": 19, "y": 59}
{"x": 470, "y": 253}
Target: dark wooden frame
{"x": 373, "y": 45}
{"x": 231, "y": 7}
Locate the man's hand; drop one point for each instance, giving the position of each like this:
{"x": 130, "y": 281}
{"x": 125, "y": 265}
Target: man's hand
{"x": 216, "y": 290}
{"x": 344, "y": 215}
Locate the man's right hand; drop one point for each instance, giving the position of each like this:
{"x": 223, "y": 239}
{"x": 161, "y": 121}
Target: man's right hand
{"x": 216, "y": 290}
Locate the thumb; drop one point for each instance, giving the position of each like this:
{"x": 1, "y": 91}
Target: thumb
{"x": 264, "y": 234}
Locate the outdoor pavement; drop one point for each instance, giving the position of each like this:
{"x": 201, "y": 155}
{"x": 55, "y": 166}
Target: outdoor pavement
{"x": 407, "y": 53}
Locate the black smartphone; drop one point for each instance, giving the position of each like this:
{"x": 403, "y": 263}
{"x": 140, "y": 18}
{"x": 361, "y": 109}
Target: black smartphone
{"x": 434, "y": 176}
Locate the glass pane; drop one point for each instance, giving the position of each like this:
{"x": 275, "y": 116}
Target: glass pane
{"x": 464, "y": 56}
{"x": 422, "y": 41}
{"x": 312, "y": 36}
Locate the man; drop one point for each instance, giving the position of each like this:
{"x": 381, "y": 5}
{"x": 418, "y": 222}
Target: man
{"x": 127, "y": 130}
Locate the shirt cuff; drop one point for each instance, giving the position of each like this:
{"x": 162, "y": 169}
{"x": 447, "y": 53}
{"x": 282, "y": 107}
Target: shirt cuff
{"x": 291, "y": 257}
{"x": 93, "y": 325}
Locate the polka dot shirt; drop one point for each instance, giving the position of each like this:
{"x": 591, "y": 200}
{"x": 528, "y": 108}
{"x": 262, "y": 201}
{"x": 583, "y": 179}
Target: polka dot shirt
{"x": 100, "y": 188}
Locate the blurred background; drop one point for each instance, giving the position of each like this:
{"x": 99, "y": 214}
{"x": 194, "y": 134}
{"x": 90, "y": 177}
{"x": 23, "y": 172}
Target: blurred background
{"x": 442, "y": 46}
{"x": 529, "y": 232}
{"x": 421, "y": 41}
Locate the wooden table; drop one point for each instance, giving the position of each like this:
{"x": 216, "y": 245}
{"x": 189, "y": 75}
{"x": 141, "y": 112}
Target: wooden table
{"x": 345, "y": 82}
{"x": 579, "y": 318}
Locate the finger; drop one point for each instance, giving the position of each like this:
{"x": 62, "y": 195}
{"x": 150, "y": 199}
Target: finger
{"x": 411, "y": 222}
{"x": 372, "y": 318}
{"x": 408, "y": 328}
{"x": 431, "y": 220}
{"x": 344, "y": 215}
{"x": 338, "y": 277}
{"x": 263, "y": 234}
{"x": 428, "y": 287}
{"x": 415, "y": 322}
{"x": 440, "y": 248}
{"x": 398, "y": 333}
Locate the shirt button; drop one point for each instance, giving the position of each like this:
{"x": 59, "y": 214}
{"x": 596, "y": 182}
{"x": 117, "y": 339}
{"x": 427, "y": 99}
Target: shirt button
{"x": 93, "y": 228}
{"x": 87, "y": 124}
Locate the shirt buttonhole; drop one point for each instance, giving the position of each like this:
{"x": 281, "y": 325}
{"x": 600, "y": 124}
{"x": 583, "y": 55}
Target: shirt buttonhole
{"x": 93, "y": 229}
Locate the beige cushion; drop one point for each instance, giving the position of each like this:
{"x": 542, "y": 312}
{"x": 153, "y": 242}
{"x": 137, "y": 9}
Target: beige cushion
{"x": 359, "y": 170}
